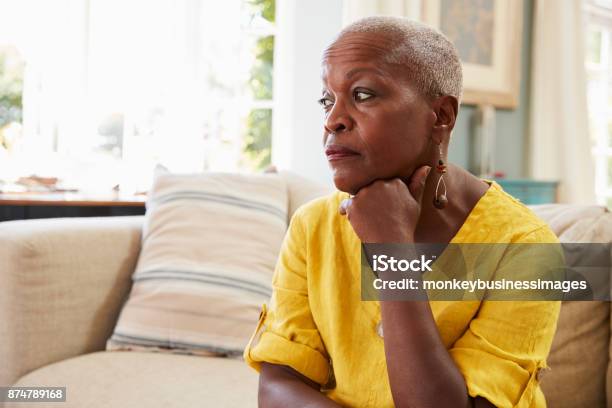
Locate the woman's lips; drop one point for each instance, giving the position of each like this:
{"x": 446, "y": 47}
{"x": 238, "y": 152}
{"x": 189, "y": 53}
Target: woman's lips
{"x": 335, "y": 152}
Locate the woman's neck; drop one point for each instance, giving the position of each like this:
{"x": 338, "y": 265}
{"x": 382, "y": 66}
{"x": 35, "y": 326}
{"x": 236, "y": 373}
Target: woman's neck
{"x": 463, "y": 191}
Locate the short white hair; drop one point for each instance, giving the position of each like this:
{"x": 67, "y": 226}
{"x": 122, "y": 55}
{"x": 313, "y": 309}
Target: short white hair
{"x": 429, "y": 57}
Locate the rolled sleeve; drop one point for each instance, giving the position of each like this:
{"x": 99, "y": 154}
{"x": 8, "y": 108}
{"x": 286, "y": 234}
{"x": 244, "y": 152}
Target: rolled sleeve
{"x": 286, "y": 333}
{"x": 276, "y": 349}
{"x": 502, "y": 365}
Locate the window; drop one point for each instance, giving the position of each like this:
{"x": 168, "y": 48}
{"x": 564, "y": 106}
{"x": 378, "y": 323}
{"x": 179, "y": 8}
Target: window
{"x": 258, "y": 137}
{"x": 11, "y": 91}
{"x": 598, "y": 54}
{"x": 112, "y": 88}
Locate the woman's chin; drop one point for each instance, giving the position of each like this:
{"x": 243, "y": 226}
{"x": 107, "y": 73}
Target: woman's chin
{"x": 347, "y": 184}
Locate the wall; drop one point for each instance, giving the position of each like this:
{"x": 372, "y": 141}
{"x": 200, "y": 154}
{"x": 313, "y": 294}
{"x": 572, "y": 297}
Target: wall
{"x": 511, "y": 125}
{"x": 305, "y": 28}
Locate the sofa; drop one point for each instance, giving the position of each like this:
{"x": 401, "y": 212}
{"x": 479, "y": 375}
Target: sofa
{"x": 63, "y": 283}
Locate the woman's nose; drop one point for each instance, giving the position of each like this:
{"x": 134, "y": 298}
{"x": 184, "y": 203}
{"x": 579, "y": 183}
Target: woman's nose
{"x": 338, "y": 120}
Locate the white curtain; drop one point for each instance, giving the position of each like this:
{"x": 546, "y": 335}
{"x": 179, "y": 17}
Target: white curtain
{"x": 356, "y": 9}
{"x": 559, "y": 146}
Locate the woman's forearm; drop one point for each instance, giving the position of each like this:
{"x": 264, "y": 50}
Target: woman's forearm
{"x": 281, "y": 386}
{"x": 421, "y": 371}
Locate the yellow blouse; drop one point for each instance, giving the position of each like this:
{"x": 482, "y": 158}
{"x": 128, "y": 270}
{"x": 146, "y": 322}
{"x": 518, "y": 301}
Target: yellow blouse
{"x": 316, "y": 315}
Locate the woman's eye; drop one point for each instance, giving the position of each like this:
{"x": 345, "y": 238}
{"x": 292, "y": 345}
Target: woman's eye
{"x": 325, "y": 102}
{"x": 362, "y": 96}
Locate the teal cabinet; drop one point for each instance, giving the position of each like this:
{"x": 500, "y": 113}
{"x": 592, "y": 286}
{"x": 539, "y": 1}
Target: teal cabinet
{"x": 531, "y": 191}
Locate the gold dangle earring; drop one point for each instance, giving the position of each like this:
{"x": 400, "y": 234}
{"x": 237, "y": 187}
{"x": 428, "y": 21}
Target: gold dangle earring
{"x": 440, "y": 200}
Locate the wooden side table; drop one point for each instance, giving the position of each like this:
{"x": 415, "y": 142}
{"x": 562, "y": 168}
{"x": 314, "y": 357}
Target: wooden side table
{"x": 25, "y": 206}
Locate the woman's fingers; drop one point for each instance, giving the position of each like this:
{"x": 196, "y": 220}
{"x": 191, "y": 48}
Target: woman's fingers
{"x": 416, "y": 186}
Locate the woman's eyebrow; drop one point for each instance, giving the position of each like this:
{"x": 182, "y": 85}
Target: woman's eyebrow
{"x": 352, "y": 72}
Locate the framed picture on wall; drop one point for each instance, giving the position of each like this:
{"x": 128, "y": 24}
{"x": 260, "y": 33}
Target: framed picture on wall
{"x": 487, "y": 34}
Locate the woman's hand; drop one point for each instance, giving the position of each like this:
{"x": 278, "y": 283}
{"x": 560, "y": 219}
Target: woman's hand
{"x": 387, "y": 211}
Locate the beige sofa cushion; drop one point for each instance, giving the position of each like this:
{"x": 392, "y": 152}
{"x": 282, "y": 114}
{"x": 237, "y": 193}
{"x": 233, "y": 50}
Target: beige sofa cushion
{"x": 152, "y": 380}
{"x": 210, "y": 243}
{"x": 578, "y": 359}
{"x": 62, "y": 282}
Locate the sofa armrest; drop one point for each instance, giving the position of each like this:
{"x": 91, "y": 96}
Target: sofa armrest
{"x": 62, "y": 284}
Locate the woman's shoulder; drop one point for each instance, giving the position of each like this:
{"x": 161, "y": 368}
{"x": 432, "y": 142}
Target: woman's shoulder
{"x": 500, "y": 217}
{"x": 320, "y": 215}
{"x": 321, "y": 207}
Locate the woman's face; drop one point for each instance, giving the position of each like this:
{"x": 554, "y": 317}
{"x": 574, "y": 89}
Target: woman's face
{"x": 377, "y": 125}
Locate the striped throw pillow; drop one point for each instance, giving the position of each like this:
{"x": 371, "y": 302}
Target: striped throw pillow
{"x": 209, "y": 246}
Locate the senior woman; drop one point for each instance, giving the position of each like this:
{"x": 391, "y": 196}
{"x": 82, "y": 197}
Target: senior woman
{"x": 391, "y": 94}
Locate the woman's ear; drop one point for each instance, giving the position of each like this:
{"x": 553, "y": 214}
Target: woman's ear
{"x": 446, "y": 109}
